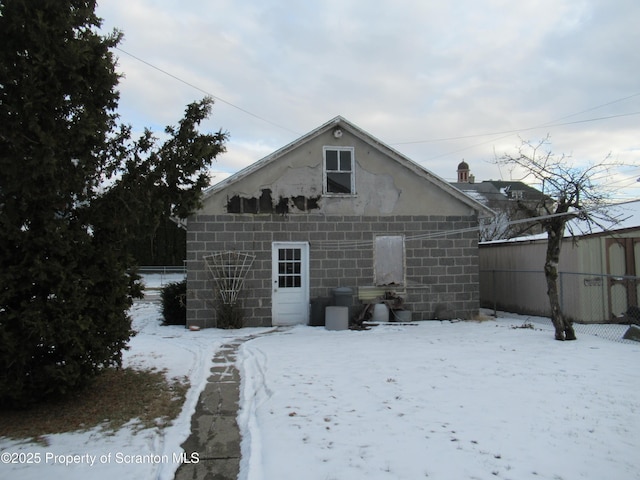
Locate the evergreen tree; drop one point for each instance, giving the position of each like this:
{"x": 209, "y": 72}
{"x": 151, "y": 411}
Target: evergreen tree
{"x": 74, "y": 189}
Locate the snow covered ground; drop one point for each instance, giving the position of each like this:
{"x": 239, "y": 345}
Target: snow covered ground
{"x": 433, "y": 400}
{"x": 182, "y": 353}
{"x": 159, "y": 280}
{"x": 439, "y": 401}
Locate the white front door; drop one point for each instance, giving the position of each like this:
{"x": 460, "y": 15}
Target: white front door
{"x": 290, "y": 281}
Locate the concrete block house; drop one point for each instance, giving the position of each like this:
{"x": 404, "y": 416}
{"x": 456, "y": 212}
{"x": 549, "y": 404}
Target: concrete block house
{"x": 336, "y": 208}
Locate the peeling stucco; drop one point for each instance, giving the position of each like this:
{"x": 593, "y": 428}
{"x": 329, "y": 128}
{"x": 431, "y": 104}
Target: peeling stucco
{"x": 293, "y": 183}
{"x": 386, "y": 195}
{"x": 266, "y": 204}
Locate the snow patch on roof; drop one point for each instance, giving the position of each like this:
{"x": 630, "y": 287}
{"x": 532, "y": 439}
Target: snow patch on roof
{"x": 623, "y": 216}
{"x": 477, "y": 196}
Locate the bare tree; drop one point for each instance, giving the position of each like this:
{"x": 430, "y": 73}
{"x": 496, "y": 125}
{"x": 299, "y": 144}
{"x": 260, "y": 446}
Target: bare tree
{"x": 570, "y": 192}
{"x": 512, "y": 219}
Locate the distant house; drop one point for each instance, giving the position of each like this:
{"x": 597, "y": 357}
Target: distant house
{"x": 599, "y": 272}
{"x": 336, "y": 208}
{"x": 511, "y": 200}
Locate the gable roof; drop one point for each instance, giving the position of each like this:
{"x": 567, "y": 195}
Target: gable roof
{"x": 507, "y": 186}
{"x": 369, "y": 139}
{"x": 491, "y": 191}
{"x": 483, "y": 192}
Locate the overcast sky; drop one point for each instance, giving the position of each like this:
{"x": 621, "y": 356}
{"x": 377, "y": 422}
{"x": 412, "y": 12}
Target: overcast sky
{"x": 439, "y": 81}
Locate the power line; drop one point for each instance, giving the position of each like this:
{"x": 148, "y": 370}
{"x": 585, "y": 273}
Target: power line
{"x": 598, "y": 106}
{"x": 551, "y": 123}
{"x": 506, "y": 133}
{"x": 629, "y": 181}
{"x": 509, "y": 132}
{"x": 206, "y": 92}
{"x": 341, "y": 245}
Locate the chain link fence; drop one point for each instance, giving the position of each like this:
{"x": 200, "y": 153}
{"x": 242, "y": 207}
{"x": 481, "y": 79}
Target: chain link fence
{"x": 601, "y": 305}
{"x": 608, "y": 331}
{"x": 155, "y": 278}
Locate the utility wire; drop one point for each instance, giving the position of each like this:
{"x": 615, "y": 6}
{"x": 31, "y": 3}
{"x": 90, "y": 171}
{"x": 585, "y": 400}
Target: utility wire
{"x": 429, "y": 235}
{"x": 509, "y": 132}
{"x": 598, "y": 106}
{"x": 505, "y": 132}
{"x": 336, "y": 245}
{"x": 462, "y": 137}
{"x": 551, "y": 123}
{"x": 207, "y": 93}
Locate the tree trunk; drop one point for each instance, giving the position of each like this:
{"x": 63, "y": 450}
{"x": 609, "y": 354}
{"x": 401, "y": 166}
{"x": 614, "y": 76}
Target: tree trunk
{"x": 564, "y": 329}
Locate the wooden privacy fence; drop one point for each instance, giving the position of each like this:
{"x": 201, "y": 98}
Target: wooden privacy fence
{"x": 584, "y": 297}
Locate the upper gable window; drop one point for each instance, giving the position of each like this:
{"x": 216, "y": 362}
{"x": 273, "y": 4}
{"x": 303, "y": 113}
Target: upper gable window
{"x": 338, "y": 171}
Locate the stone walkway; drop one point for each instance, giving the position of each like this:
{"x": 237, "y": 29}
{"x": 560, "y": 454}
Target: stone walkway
{"x": 215, "y": 435}
{"x": 214, "y": 432}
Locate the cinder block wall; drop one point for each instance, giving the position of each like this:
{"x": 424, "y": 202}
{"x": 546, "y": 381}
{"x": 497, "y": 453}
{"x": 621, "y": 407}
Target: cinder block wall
{"x": 441, "y": 260}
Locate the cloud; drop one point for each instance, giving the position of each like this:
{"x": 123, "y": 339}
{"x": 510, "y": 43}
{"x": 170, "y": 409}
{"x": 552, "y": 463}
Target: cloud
{"x": 404, "y": 71}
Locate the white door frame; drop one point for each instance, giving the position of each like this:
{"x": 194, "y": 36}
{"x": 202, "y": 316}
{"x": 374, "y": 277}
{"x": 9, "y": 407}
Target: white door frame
{"x": 290, "y": 301}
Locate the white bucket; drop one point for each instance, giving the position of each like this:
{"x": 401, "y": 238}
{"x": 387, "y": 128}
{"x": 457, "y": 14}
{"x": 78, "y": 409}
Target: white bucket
{"x": 336, "y": 318}
{"x": 380, "y": 313}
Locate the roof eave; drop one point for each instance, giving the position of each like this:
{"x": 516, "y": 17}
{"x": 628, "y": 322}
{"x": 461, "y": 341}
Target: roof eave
{"x": 365, "y": 137}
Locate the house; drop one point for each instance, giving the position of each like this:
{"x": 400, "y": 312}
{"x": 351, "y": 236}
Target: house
{"x": 511, "y": 200}
{"x": 599, "y": 271}
{"x": 335, "y": 208}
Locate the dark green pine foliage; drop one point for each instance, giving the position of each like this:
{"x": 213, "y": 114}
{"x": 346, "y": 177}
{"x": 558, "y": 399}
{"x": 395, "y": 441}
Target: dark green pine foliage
{"x": 174, "y": 303}
{"x": 168, "y": 246}
{"x": 74, "y": 191}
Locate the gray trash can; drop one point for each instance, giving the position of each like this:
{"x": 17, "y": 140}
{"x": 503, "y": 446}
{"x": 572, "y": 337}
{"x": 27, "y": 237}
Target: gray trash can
{"x": 342, "y": 297}
{"x": 337, "y": 318}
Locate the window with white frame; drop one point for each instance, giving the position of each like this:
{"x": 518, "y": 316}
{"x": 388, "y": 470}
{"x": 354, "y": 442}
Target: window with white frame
{"x": 389, "y": 256}
{"x": 338, "y": 171}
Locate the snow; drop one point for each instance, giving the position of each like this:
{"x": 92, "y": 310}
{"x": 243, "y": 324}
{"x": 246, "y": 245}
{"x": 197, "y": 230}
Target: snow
{"x": 179, "y": 351}
{"x": 477, "y": 196}
{"x": 437, "y": 400}
{"x": 623, "y": 216}
{"x": 159, "y": 280}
